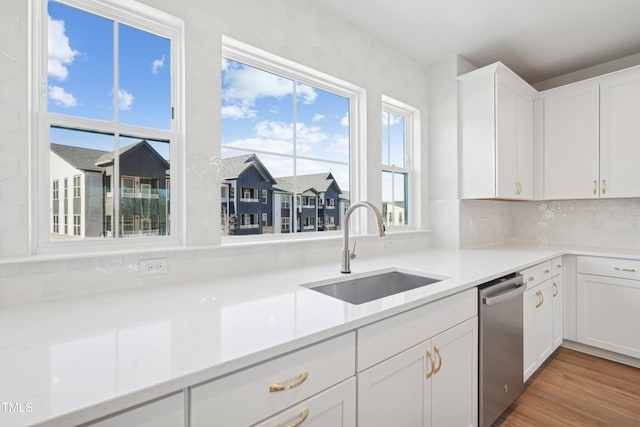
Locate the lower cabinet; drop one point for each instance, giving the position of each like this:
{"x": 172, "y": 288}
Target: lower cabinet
{"x": 165, "y": 412}
{"x": 609, "y": 304}
{"x": 335, "y": 407}
{"x": 433, "y": 383}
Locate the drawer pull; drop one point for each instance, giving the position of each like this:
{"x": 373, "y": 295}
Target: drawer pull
{"x": 437, "y": 353}
{"x": 301, "y": 418}
{"x": 541, "y": 300}
{"x": 282, "y": 387}
{"x": 531, "y": 279}
{"x": 558, "y": 265}
{"x": 625, "y": 269}
{"x": 546, "y": 271}
{"x": 430, "y": 362}
{"x": 555, "y": 289}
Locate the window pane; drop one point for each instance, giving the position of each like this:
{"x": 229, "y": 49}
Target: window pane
{"x": 399, "y": 198}
{"x": 385, "y": 138}
{"x": 396, "y": 140}
{"x": 81, "y": 191}
{"x": 144, "y": 182}
{"x": 144, "y": 89}
{"x": 79, "y": 63}
{"x": 322, "y": 124}
{"x": 387, "y": 197}
{"x": 257, "y": 109}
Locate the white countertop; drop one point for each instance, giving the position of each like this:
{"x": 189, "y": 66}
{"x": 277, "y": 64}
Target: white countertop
{"x": 80, "y": 358}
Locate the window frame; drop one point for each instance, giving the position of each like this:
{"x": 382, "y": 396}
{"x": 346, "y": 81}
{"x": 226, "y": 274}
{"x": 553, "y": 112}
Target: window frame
{"x": 139, "y": 16}
{"x": 412, "y": 158}
{"x": 249, "y": 55}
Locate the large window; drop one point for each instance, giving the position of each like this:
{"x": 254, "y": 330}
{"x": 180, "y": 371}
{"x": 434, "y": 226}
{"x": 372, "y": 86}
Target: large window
{"x": 108, "y": 120}
{"x": 290, "y": 129}
{"x": 397, "y": 136}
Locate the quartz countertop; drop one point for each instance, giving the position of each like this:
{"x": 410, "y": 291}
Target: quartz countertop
{"x": 80, "y": 358}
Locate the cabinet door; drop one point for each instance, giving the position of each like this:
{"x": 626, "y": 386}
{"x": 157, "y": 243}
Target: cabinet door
{"x": 396, "y": 392}
{"x": 454, "y": 387}
{"x": 537, "y": 326}
{"x": 608, "y": 315}
{"x": 530, "y": 359}
{"x": 619, "y": 135}
{"x": 335, "y": 407}
{"x": 167, "y": 412}
{"x": 556, "y": 288}
{"x": 514, "y": 141}
{"x": 544, "y": 322}
{"x": 571, "y": 142}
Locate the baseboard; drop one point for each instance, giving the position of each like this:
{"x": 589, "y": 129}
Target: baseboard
{"x": 598, "y": 352}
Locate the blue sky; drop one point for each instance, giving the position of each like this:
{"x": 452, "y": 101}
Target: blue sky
{"x": 80, "y": 74}
{"x": 258, "y": 114}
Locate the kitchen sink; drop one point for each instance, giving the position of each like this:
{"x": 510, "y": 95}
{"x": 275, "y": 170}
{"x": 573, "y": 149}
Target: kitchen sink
{"x": 358, "y": 290}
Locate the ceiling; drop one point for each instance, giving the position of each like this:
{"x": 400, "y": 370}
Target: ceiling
{"x": 538, "y": 39}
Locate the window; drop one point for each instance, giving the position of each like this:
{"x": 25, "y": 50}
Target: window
{"x": 248, "y": 194}
{"x": 286, "y": 224}
{"x": 299, "y": 123}
{"x": 66, "y": 224}
{"x": 265, "y": 219}
{"x": 397, "y": 135}
{"x": 331, "y": 203}
{"x": 56, "y": 224}
{"x": 110, "y": 117}
{"x": 56, "y": 184}
{"x": 76, "y": 187}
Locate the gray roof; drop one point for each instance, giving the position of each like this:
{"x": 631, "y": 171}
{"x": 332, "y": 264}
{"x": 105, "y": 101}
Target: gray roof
{"x": 232, "y": 167}
{"x": 320, "y": 182}
{"x": 78, "y": 157}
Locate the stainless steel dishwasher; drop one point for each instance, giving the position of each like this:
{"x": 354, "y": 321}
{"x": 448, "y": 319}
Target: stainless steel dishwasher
{"x": 500, "y": 379}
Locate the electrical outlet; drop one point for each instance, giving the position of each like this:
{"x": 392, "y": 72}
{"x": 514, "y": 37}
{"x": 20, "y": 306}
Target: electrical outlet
{"x": 148, "y": 267}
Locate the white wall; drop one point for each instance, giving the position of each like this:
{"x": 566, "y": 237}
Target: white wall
{"x": 295, "y": 30}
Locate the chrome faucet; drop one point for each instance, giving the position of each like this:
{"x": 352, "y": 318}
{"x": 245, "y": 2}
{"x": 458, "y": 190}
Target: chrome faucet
{"x": 348, "y": 255}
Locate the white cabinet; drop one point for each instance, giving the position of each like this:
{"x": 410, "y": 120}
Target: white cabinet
{"x": 256, "y": 393}
{"x": 335, "y": 407}
{"x": 542, "y": 314}
{"x": 608, "y": 304}
{"x": 165, "y": 412}
{"x": 591, "y": 138}
{"x": 620, "y": 134}
{"x": 496, "y": 134}
{"x": 432, "y": 383}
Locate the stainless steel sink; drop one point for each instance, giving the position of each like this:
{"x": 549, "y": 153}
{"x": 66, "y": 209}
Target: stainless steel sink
{"x": 358, "y": 290}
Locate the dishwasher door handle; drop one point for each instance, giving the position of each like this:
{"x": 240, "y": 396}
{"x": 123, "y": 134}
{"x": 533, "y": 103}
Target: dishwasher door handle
{"x": 505, "y": 296}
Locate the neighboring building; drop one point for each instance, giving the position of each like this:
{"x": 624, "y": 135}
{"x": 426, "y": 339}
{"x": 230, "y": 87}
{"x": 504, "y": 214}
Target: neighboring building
{"x": 393, "y": 213}
{"x": 317, "y": 199}
{"x": 247, "y": 196}
{"x": 82, "y": 198}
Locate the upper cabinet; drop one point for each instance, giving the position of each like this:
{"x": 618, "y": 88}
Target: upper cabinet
{"x": 496, "y": 134}
{"x": 591, "y": 138}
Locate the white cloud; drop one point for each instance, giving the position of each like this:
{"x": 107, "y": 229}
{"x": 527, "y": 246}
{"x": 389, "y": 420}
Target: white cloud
{"x": 60, "y": 52}
{"x": 62, "y": 98}
{"x": 340, "y": 145}
{"x": 224, "y": 64}
{"x": 306, "y": 136}
{"x": 265, "y": 144}
{"x": 125, "y": 99}
{"x": 317, "y": 117}
{"x": 157, "y": 64}
{"x": 393, "y": 119}
{"x": 309, "y": 134}
{"x": 345, "y": 120}
{"x": 279, "y": 130}
{"x": 238, "y": 112}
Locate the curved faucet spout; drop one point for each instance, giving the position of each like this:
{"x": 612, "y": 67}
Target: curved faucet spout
{"x": 348, "y": 255}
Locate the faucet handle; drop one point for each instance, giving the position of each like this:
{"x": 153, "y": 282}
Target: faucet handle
{"x": 352, "y": 254}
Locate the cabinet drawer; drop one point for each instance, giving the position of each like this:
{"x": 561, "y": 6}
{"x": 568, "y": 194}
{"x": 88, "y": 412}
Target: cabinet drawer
{"x": 556, "y": 266}
{"x": 335, "y": 407}
{"x": 166, "y": 412}
{"x": 537, "y": 274}
{"x": 384, "y": 339}
{"x": 249, "y": 396}
{"x": 612, "y": 267}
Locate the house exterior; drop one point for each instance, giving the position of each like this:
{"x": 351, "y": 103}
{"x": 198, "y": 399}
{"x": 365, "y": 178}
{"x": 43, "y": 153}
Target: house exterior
{"x": 317, "y": 198}
{"x": 82, "y": 185}
{"x": 246, "y": 196}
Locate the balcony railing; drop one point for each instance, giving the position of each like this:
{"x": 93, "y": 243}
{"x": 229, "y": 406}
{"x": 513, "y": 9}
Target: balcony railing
{"x": 138, "y": 195}
{"x": 249, "y": 199}
{"x": 249, "y": 226}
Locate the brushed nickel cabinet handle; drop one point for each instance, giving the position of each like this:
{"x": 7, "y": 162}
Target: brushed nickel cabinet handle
{"x": 437, "y": 352}
{"x": 293, "y": 384}
{"x": 625, "y": 269}
{"x": 301, "y": 418}
{"x": 430, "y": 361}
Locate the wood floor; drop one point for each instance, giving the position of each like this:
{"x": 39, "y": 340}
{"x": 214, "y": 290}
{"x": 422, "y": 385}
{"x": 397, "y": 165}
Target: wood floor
{"x": 575, "y": 389}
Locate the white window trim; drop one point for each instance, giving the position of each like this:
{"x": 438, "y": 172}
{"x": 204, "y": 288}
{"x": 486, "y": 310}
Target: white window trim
{"x": 412, "y": 159}
{"x": 140, "y": 16}
{"x": 252, "y": 56}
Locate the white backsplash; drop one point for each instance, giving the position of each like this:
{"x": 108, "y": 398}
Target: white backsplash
{"x": 485, "y": 222}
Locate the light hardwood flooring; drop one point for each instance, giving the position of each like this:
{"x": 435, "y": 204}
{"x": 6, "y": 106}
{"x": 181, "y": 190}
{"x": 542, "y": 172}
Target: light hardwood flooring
{"x": 576, "y": 389}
